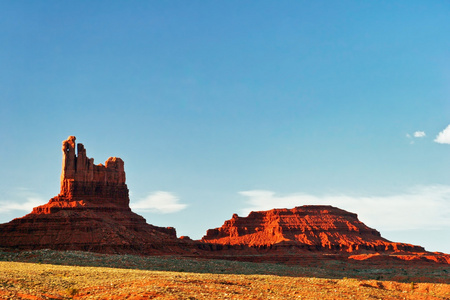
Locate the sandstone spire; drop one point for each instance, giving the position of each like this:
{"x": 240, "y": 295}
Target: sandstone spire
{"x": 80, "y": 177}
{"x": 82, "y": 169}
{"x": 69, "y": 158}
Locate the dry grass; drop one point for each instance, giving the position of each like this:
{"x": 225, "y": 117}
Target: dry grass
{"x": 45, "y": 281}
{"x": 304, "y": 266}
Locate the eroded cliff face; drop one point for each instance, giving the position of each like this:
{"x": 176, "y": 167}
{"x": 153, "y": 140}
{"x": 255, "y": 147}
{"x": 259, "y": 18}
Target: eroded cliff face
{"x": 91, "y": 213}
{"x": 305, "y": 227}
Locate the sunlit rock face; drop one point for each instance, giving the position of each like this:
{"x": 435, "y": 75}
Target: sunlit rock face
{"x": 307, "y": 227}
{"x": 81, "y": 178}
{"x": 91, "y": 213}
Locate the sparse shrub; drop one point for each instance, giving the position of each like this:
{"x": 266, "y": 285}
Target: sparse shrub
{"x": 379, "y": 285}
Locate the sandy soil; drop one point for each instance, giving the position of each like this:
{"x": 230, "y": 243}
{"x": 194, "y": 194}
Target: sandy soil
{"x": 49, "y": 274}
{"x": 44, "y": 281}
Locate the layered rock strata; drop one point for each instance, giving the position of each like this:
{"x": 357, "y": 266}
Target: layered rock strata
{"x": 90, "y": 213}
{"x": 305, "y": 227}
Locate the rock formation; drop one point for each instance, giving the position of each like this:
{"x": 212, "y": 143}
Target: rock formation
{"x": 306, "y": 227}
{"x": 80, "y": 177}
{"x": 90, "y": 213}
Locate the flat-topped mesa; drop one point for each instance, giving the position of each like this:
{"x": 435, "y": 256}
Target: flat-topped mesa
{"x": 312, "y": 227}
{"x": 81, "y": 179}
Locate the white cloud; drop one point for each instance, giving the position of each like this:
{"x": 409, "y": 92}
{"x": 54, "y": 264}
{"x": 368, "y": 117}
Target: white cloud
{"x": 444, "y": 136}
{"x": 28, "y": 205}
{"x": 27, "y": 202}
{"x": 159, "y": 202}
{"x": 419, "y": 134}
{"x": 425, "y": 207}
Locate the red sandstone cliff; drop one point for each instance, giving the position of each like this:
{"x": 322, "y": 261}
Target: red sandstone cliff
{"x": 306, "y": 227}
{"x": 91, "y": 213}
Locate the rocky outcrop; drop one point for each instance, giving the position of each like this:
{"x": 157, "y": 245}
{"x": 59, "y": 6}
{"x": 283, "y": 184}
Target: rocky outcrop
{"x": 305, "y": 227}
{"x": 90, "y": 213}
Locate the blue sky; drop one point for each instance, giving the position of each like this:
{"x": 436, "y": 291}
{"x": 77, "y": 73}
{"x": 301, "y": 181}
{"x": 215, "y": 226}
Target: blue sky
{"x": 222, "y": 107}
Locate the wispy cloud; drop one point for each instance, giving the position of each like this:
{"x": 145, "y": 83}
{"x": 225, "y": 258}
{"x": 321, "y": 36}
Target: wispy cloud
{"x": 159, "y": 202}
{"x": 26, "y": 202}
{"x": 419, "y": 134}
{"x": 444, "y": 136}
{"x": 425, "y": 207}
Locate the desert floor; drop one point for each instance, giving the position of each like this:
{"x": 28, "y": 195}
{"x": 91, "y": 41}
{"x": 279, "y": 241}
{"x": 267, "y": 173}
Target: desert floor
{"x": 46, "y": 274}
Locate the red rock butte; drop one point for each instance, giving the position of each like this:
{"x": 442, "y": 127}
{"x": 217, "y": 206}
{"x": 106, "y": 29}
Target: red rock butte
{"x": 90, "y": 213}
{"x": 307, "y": 235}
{"x": 311, "y": 227}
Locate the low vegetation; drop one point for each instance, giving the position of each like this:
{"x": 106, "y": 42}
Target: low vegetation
{"x": 55, "y": 275}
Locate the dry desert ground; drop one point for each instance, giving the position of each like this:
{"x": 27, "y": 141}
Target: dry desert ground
{"x": 214, "y": 279}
